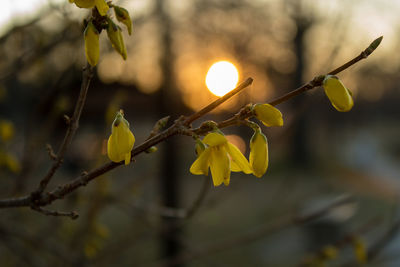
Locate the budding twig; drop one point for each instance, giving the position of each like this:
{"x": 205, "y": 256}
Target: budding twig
{"x": 73, "y": 215}
{"x": 73, "y": 124}
{"x": 38, "y": 199}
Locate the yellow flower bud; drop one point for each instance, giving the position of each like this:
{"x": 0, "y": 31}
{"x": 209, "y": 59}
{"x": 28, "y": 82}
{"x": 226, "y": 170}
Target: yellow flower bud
{"x": 92, "y": 48}
{"x": 115, "y": 35}
{"x": 121, "y": 140}
{"x": 268, "y": 115}
{"x": 122, "y": 16}
{"x": 339, "y": 95}
{"x": 258, "y": 153}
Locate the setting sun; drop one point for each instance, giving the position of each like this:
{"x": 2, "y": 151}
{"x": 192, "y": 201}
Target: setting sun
{"x": 221, "y": 78}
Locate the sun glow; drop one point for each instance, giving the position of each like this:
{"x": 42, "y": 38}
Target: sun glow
{"x": 221, "y": 78}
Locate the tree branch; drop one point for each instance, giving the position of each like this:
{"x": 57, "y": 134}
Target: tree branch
{"x": 39, "y": 198}
{"x": 73, "y": 125}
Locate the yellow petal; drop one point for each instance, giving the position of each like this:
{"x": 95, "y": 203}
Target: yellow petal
{"x": 239, "y": 161}
{"x": 127, "y": 158}
{"x": 259, "y": 154}
{"x": 112, "y": 150}
{"x": 92, "y": 48}
{"x": 219, "y": 165}
{"x": 200, "y": 165}
{"x": 339, "y": 95}
{"x": 101, "y": 6}
{"x": 84, "y": 3}
{"x": 268, "y": 115}
{"x": 235, "y": 167}
{"x": 214, "y": 139}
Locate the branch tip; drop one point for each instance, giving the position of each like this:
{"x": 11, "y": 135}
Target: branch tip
{"x": 371, "y": 48}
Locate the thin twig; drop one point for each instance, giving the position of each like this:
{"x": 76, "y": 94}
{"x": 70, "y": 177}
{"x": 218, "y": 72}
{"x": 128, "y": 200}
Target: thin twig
{"x": 72, "y": 214}
{"x": 199, "y": 200}
{"x": 218, "y": 102}
{"x": 245, "y": 113}
{"x": 73, "y": 125}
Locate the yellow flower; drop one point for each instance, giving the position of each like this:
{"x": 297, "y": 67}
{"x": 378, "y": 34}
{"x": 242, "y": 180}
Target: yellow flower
{"x": 101, "y": 5}
{"x": 268, "y": 115}
{"x": 115, "y": 35}
{"x": 92, "y": 48}
{"x": 259, "y": 153}
{"x": 221, "y": 157}
{"x": 339, "y": 95}
{"x": 121, "y": 140}
{"x": 123, "y": 16}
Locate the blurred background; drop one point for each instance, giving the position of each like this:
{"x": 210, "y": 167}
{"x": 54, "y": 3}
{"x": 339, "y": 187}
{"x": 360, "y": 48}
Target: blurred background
{"x": 154, "y": 212}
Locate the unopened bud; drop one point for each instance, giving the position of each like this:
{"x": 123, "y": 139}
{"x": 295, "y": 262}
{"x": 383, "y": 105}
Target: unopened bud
{"x": 92, "y": 49}
{"x": 115, "y": 35}
{"x": 122, "y": 16}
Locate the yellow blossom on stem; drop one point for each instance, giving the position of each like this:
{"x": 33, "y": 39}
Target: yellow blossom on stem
{"x": 259, "y": 153}
{"x": 268, "y": 115}
{"x": 92, "y": 47}
{"x": 115, "y": 35}
{"x": 221, "y": 157}
{"x": 121, "y": 140}
{"x": 337, "y": 93}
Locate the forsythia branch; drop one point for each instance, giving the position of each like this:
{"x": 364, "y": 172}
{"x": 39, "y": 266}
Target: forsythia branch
{"x": 39, "y": 198}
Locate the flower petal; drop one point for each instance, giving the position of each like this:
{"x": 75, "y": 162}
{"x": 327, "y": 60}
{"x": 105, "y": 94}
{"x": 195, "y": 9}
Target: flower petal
{"x": 200, "y": 165}
{"x": 219, "y": 165}
{"x": 268, "y": 115}
{"x": 241, "y": 163}
{"x": 259, "y": 154}
{"x": 101, "y": 6}
{"x": 84, "y": 3}
{"x": 337, "y": 93}
{"x": 214, "y": 139}
{"x": 112, "y": 150}
{"x": 127, "y": 158}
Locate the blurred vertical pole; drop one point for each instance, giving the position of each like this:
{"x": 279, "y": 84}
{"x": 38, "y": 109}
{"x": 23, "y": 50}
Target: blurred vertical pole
{"x": 300, "y": 154}
{"x": 169, "y": 103}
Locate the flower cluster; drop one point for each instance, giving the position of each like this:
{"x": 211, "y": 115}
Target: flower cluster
{"x": 222, "y": 157}
{"x": 216, "y": 153}
{"x": 99, "y": 21}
